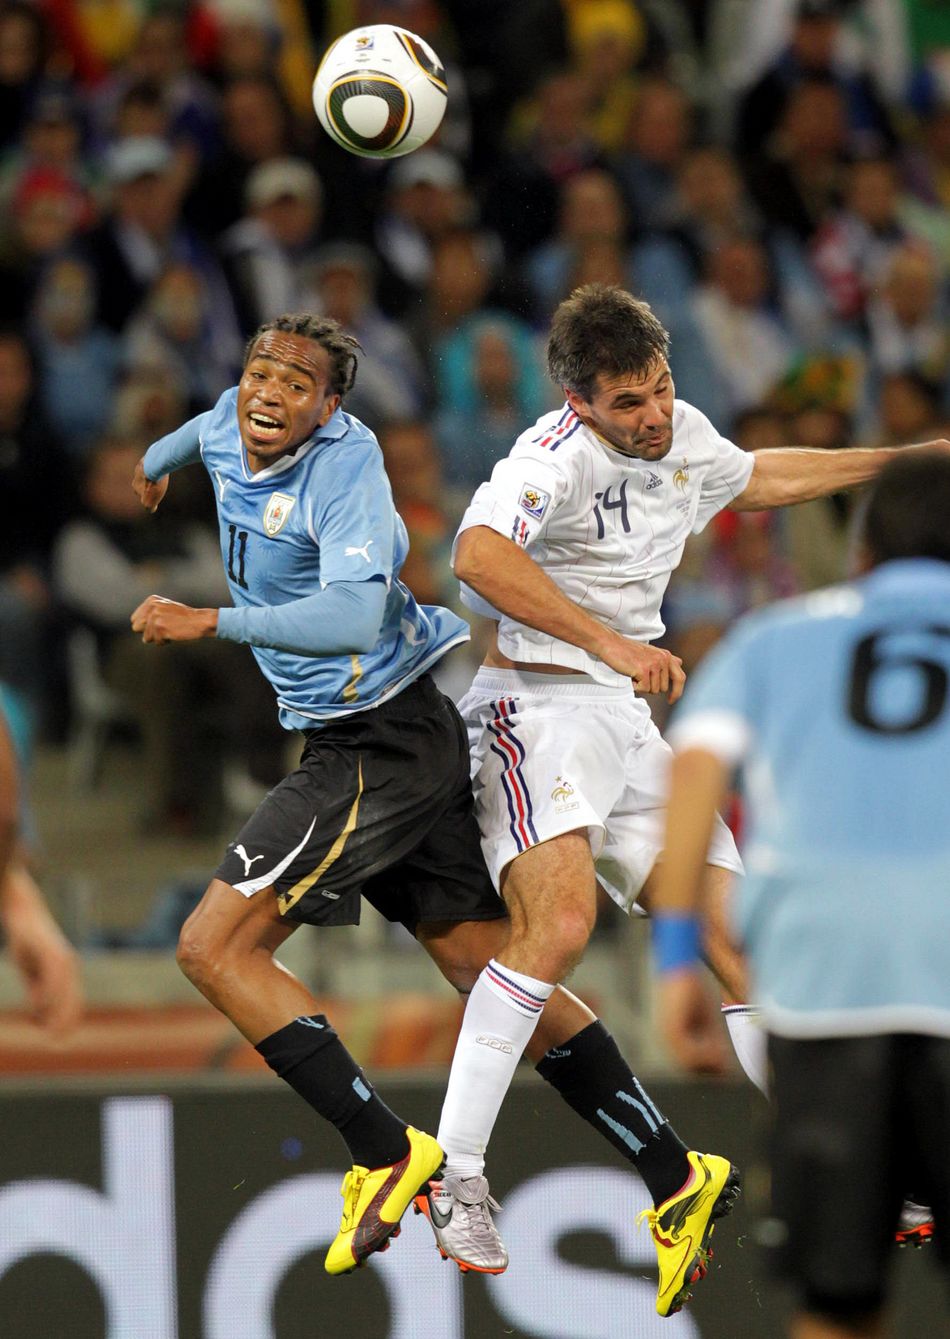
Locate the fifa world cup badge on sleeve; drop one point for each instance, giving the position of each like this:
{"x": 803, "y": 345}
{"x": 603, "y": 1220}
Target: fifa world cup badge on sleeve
{"x": 534, "y": 501}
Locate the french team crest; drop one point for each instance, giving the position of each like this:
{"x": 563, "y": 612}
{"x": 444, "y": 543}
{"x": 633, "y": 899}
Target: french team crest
{"x": 534, "y": 501}
{"x": 278, "y": 508}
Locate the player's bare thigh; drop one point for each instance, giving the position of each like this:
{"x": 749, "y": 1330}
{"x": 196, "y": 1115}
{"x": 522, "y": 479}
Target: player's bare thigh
{"x": 551, "y": 894}
{"x": 721, "y": 950}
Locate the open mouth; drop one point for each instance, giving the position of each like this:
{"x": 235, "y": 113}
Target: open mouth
{"x": 264, "y": 427}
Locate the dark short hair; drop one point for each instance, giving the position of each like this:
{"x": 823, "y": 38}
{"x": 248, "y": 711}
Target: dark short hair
{"x": 602, "y": 330}
{"x": 326, "y": 332}
{"x": 907, "y": 508}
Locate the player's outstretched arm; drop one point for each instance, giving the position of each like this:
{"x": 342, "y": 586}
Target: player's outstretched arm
{"x": 788, "y": 474}
{"x": 178, "y": 448}
{"x": 513, "y": 583}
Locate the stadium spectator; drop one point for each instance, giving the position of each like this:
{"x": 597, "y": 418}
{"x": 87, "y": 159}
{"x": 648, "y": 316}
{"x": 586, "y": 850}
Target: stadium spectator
{"x": 341, "y": 283}
{"x": 549, "y": 140}
{"x": 813, "y": 52}
{"x": 77, "y": 358}
{"x": 795, "y": 177}
{"x": 37, "y": 495}
{"x": 906, "y": 316}
{"x": 175, "y": 328}
{"x": 658, "y": 136}
{"x": 853, "y": 248}
{"x": 266, "y": 251}
{"x": 257, "y": 125}
{"x": 426, "y": 199}
{"x": 744, "y": 346}
{"x": 490, "y": 379}
{"x": 414, "y": 469}
{"x": 910, "y": 409}
{"x": 591, "y": 208}
{"x": 24, "y": 47}
{"x": 143, "y": 233}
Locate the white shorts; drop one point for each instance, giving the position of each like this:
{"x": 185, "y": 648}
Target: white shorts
{"x": 553, "y": 753}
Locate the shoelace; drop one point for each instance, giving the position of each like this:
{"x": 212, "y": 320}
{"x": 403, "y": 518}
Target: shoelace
{"x": 650, "y": 1215}
{"x": 350, "y": 1190}
{"x": 476, "y": 1207}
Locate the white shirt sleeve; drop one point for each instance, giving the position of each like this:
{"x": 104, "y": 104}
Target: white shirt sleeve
{"x": 518, "y": 500}
{"x": 728, "y": 474}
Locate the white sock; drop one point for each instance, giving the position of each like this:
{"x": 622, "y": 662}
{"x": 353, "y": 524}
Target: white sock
{"x": 502, "y": 1013}
{"x": 749, "y": 1042}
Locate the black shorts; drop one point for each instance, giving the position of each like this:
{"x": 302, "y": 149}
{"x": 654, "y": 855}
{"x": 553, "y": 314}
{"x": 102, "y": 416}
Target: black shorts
{"x": 858, "y": 1125}
{"x": 380, "y": 806}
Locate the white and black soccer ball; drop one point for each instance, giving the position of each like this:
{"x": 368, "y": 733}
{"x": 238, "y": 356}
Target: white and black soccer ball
{"x": 380, "y": 91}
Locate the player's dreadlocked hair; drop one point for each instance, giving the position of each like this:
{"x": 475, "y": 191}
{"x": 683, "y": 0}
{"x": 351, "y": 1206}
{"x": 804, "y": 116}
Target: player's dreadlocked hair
{"x": 907, "y": 508}
{"x": 602, "y": 330}
{"x": 326, "y": 332}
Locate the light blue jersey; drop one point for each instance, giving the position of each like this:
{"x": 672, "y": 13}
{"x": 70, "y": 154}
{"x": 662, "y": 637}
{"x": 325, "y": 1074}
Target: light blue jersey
{"x": 321, "y": 516}
{"x": 839, "y": 705}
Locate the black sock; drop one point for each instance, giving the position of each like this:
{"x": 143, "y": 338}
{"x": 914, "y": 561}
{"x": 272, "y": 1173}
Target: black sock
{"x": 309, "y": 1056}
{"x": 592, "y": 1076}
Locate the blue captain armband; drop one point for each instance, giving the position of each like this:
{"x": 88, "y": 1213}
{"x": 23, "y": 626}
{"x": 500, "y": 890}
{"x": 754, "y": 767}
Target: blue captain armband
{"x": 676, "y": 942}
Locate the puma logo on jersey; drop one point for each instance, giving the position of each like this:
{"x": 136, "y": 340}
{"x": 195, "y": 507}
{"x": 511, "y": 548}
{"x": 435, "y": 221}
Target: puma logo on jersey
{"x": 248, "y": 859}
{"x": 352, "y": 550}
{"x": 654, "y": 482}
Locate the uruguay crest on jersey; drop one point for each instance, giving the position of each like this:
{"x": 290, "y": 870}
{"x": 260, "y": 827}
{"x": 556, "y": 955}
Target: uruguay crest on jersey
{"x": 279, "y": 506}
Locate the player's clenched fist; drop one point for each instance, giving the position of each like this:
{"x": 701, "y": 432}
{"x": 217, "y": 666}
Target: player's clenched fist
{"x": 160, "y": 620}
{"x": 148, "y": 491}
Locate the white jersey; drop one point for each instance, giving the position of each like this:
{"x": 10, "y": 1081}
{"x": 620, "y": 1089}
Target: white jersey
{"x": 609, "y": 530}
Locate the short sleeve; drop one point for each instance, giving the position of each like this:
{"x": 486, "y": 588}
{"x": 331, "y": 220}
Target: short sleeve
{"x": 727, "y": 475}
{"x": 354, "y": 517}
{"x": 518, "y": 501}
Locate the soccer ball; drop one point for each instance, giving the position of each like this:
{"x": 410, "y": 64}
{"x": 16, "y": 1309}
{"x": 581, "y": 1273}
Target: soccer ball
{"x": 380, "y": 91}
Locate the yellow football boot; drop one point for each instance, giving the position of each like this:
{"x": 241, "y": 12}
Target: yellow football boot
{"x": 375, "y": 1201}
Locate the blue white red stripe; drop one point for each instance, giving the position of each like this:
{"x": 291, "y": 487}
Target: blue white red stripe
{"x": 566, "y": 413}
{"x": 519, "y": 531}
{"x": 526, "y": 1000}
{"x": 510, "y": 750}
{"x": 566, "y": 424}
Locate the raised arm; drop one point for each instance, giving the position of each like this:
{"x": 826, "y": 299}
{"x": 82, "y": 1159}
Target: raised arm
{"x": 513, "y": 583}
{"x": 178, "y": 448}
{"x": 788, "y": 474}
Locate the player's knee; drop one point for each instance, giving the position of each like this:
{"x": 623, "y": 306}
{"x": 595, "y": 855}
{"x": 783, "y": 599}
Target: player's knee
{"x": 562, "y": 942}
{"x": 198, "y": 955}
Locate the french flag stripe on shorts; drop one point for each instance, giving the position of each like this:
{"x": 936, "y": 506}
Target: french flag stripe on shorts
{"x": 509, "y": 748}
{"x": 526, "y": 1002}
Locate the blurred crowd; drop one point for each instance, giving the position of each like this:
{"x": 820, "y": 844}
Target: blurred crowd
{"x": 773, "y": 176}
